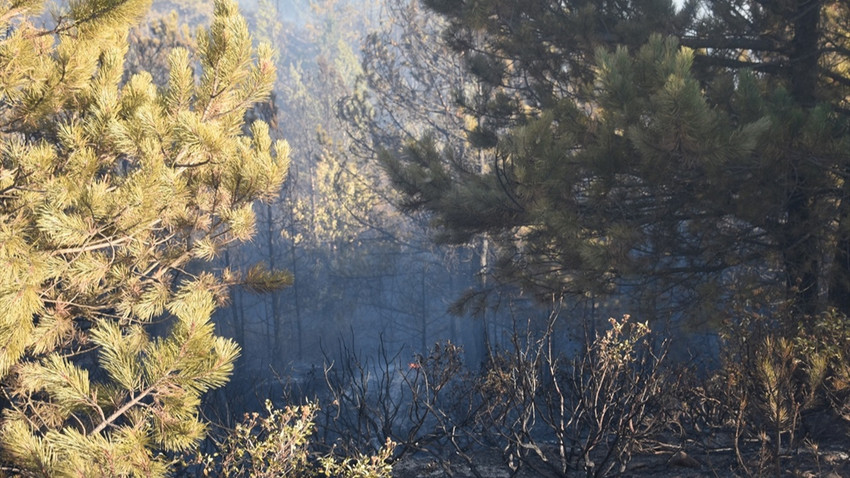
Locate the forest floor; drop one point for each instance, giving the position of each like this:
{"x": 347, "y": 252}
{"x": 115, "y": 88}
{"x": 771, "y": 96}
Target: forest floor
{"x": 825, "y": 454}
{"x": 831, "y": 462}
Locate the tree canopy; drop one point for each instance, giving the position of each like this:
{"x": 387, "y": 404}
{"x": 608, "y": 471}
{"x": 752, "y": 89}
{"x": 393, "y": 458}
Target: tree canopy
{"x": 110, "y": 193}
{"x": 691, "y": 157}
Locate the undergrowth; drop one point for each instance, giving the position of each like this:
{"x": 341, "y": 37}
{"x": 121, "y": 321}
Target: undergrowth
{"x": 559, "y": 415}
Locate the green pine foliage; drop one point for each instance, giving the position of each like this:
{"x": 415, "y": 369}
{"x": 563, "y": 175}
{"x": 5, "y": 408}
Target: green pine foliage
{"x": 652, "y": 151}
{"x": 110, "y": 194}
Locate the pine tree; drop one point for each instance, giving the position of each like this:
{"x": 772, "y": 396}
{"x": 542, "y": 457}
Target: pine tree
{"x": 110, "y": 196}
{"x": 691, "y": 159}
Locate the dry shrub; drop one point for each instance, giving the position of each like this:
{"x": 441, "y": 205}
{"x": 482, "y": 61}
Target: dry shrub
{"x": 543, "y": 410}
{"x": 589, "y": 413}
{"x": 775, "y": 372}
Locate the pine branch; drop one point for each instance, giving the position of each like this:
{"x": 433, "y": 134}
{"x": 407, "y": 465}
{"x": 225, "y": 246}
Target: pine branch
{"x": 108, "y": 244}
{"x": 733, "y": 43}
{"x": 121, "y": 411}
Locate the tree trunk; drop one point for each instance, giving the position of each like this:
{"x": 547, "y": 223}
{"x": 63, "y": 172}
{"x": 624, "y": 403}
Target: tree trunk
{"x": 839, "y": 281}
{"x": 275, "y": 305}
{"x": 800, "y": 242}
{"x": 801, "y": 256}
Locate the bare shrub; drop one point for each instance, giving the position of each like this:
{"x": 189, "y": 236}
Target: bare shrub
{"x": 538, "y": 407}
{"x": 367, "y": 399}
{"x": 445, "y": 409}
{"x": 426, "y": 406}
{"x": 589, "y": 413}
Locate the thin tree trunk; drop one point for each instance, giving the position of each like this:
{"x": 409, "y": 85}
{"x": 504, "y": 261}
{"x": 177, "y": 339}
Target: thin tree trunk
{"x": 276, "y": 316}
{"x": 423, "y": 310}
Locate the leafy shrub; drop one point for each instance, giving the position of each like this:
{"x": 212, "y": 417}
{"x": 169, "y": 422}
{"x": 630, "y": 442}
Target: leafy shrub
{"x": 278, "y": 445}
{"x": 773, "y": 375}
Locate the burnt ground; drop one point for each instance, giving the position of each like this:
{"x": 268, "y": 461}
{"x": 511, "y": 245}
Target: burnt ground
{"x": 825, "y": 452}
{"x": 828, "y": 462}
